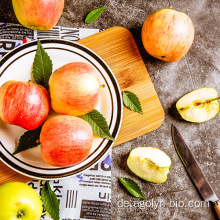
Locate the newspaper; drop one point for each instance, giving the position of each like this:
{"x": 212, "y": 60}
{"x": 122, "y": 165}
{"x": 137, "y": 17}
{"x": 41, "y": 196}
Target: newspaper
{"x": 88, "y": 194}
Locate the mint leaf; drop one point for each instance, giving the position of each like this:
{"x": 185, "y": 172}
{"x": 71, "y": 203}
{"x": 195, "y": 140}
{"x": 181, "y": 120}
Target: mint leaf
{"x": 94, "y": 14}
{"x": 132, "y": 102}
{"x": 42, "y": 66}
{"x": 98, "y": 124}
{"x": 132, "y": 187}
{"x": 28, "y": 140}
{"x": 50, "y": 201}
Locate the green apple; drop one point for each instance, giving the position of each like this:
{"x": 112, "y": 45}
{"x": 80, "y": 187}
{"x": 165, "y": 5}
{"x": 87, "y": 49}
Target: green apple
{"x": 149, "y": 163}
{"x": 199, "y": 105}
{"x": 19, "y": 202}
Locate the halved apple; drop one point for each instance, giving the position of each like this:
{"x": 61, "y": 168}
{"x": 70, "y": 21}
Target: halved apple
{"x": 149, "y": 163}
{"x": 199, "y": 105}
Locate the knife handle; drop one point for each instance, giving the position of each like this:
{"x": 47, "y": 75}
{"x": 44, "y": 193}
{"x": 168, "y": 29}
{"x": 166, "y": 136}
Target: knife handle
{"x": 217, "y": 208}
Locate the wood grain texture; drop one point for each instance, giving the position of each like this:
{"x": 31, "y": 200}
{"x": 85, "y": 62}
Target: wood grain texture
{"x": 217, "y": 209}
{"x": 117, "y": 48}
{"x": 8, "y": 175}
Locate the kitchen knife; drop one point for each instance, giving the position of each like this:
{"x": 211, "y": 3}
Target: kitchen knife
{"x": 194, "y": 170}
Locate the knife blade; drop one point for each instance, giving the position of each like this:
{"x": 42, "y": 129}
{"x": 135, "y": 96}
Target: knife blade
{"x": 194, "y": 171}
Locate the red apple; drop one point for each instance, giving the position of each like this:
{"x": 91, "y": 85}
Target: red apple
{"x": 167, "y": 34}
{"x": 24, "y": 104}
{"x": 40, "y": 15}
{"x": 65, "y": 140}
{"x": 74, "y": 89}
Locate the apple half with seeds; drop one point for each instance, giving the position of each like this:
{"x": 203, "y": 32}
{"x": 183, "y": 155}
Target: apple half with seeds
{"x": 149, "y": 163}
{"x": 199, "y": 105}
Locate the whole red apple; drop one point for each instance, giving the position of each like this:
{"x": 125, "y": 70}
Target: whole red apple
{"x": 65, "y": 140}
{"x": 40, "y": 15}
{"x": 74, "y": 89}
{"x": 24, "y": 104}
{"x": 167, "y": 34}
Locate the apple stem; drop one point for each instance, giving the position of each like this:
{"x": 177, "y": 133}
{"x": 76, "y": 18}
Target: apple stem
{"x": 20, "y": 214}
{"x": 215, "y": 99}
{"x": 170, "y": 6}
{"x": 208, "y": 101}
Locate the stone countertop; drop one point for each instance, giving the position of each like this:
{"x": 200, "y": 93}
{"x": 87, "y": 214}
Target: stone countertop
{"x": 176, "y": 198}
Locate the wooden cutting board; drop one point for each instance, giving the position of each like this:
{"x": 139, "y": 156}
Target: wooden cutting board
{"x": 117, "y": 48}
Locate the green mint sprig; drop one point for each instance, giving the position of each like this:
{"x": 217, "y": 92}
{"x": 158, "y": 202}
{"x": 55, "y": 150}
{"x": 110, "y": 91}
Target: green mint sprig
{"x": 50, "y": 201}
{"x": 132, "y": 102}
{"x": 42, "y": 66}
{"x": 132, "y": 187}
{"x": 94, "y": 14}
{"x": 28, "y": 140}
{"x": 98, "y": 124}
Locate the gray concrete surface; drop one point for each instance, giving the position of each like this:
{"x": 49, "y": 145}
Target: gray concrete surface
{"x": 199, "y": 68}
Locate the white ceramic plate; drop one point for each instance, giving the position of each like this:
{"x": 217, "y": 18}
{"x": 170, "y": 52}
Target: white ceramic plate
{"x": 17, "y": 65}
